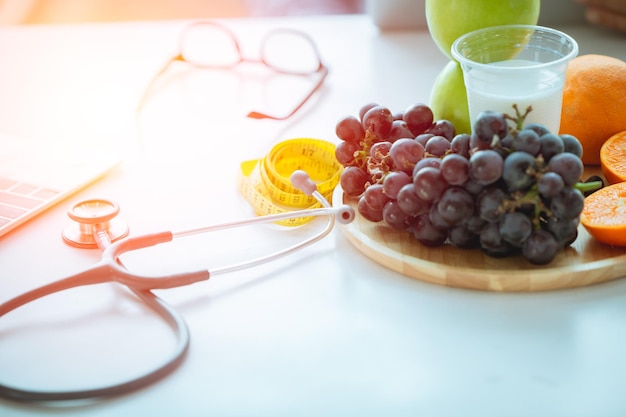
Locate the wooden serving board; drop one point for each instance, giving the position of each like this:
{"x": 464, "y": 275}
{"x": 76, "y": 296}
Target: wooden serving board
{"x": 585, "y": 262}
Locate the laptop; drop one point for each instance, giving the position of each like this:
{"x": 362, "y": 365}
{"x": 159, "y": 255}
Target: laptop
{"x": 35, "y": 175}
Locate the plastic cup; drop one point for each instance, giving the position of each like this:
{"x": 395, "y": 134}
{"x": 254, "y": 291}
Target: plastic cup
{"x": 521, "y": 65}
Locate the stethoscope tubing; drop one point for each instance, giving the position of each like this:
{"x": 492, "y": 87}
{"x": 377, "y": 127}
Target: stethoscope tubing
{"x": 111, "y": 269}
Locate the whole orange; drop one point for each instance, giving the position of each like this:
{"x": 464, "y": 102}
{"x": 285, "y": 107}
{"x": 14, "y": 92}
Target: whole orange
{"x": 594, "y": 102}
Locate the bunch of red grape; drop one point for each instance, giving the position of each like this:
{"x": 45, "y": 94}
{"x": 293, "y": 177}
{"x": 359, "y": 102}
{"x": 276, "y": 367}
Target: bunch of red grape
{"x": 508, "y": 187}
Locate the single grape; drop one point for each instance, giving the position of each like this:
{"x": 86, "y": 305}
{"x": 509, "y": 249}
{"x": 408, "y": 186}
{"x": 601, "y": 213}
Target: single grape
{"x": 491, "y": 204}
{"x": 568, "y": 204}
{"x": 366, "y": 211}
{"x": 353, "y": 180}
{"x": 429, "y": 184}
{"x": 378, "y": 120}
{"x": 571, "y": 144}
{"x": 475, "y": 144}
{"x": 436, "y": 220}
{"x": 564, "y": 231}
{"x": 455, "y": 206}
{"x": 519, "y": 171}
{"x": 379, "y": 151}
{"x": 443, "y": 128}
{"x": 427, "y": 234}
{"x": 490, "y": 126}
{"x": 462, "y": 237}
{"x": 551, "y": 145}
{"x": 515, "y": 228}
{"x": 345, "y": 153}
{"x": 365, "y": 108}
{"x": 437, "y": 146}
{"x": 399, "y": 129}
{"x": 375, "y": 197}
{"x": 538, "y": 128}
{"x": 418, "y": 118}
{"x": 409, "y": 201}
{"x": 540, "y": 247}
{"x": 423, "y": 138}
{"x": 486, "y": 166}
{"x": 492, "y": 242}
{"x": 395, "y": 217}
{"x": 429, "y": 161}
{"x": 526, "y": 140}
{"x": 568, "y": 166}
{"x": 460, "y": 144}
{"x": 455, "y": 169}
{"x": 550, "y": 184}
{"x": 405, "y": 153}
{"x": 350, "y": 129}
{"x": 394, "y": 181}
{"x": 475, "y": 224}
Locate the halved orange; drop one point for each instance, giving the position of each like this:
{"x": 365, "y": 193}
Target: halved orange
{"x": 613, "y": 158}
{"x": 604, "y": 214}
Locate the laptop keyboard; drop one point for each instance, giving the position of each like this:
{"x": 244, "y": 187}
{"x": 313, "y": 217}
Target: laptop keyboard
{"x": 20, "y": 199}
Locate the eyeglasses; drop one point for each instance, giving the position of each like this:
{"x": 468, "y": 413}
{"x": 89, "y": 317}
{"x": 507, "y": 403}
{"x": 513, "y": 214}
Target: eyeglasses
{"x": 207, "y": 44}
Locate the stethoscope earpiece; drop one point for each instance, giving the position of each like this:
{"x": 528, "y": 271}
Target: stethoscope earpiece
{"x": 91, "y": 217}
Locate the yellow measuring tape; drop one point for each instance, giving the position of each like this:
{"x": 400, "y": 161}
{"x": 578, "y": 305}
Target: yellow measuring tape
{"x": 265, "y": 183}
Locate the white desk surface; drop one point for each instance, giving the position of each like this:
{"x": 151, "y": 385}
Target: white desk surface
{"x": 325, "y": 332}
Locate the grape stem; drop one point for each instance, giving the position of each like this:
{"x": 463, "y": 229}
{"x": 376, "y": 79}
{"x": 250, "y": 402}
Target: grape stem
{"x": 586, "y": 187}
{"x": 519, "y": 117}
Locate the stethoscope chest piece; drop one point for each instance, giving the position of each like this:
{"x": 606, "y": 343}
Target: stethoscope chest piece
{"x": 91, "y": 218}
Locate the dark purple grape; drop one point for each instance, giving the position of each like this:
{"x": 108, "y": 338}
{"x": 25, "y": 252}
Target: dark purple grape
{"x": 455, "y": 206}
{"x": 527, "y": 141}
{"x": 564, "y": 231}
{"x": 443, "y": 128}
{"x": 571, "y": 144}
{"x": 492, "y": 242}
{"x": 460, "y": 144}
{"x": 423, "y": 138}
{"x": 491, "y": 204}
{"x": 462, "y": 237}
{"x": 490, "y": 125}
{"x": 550, "y": 184}
{"x": 515, "y": 227}
{"x": 418, "y": 118}
{"x": 568, "y": 166}
{"x": 551, "y": 145}
{"x": 568, "y": 204}
{"x": 538, "y": 128}
{"x": 427, "y": 234}
{"x": 350, "y": 129}
{"x": 540, "y": 247}
{"x": 429, "y": 184}
{"x": 486, "y": 166}
{"x": 519, "y": 171}
{"x": 455, "y": 169}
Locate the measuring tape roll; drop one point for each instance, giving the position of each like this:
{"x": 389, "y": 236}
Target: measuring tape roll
{"x": 265, "y": 183}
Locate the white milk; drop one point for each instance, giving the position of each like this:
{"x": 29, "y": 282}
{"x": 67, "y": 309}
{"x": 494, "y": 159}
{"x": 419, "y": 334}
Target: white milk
{"x": 499, "y": 90}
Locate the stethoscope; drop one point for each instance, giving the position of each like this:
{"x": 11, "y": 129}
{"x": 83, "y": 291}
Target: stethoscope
{"x": 96, "y": 225}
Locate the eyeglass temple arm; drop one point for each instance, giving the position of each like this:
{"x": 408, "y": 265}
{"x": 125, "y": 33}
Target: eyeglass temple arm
{"x": 258, "y": 115}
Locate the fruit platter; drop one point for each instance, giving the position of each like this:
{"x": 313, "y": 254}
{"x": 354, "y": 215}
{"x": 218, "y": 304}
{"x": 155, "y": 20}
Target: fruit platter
{"x": 496, "y": 210}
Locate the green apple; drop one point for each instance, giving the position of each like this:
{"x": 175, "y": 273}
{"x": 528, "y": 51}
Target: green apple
{"x": 449, "y": 19}
{"x": 448, "y": 98}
